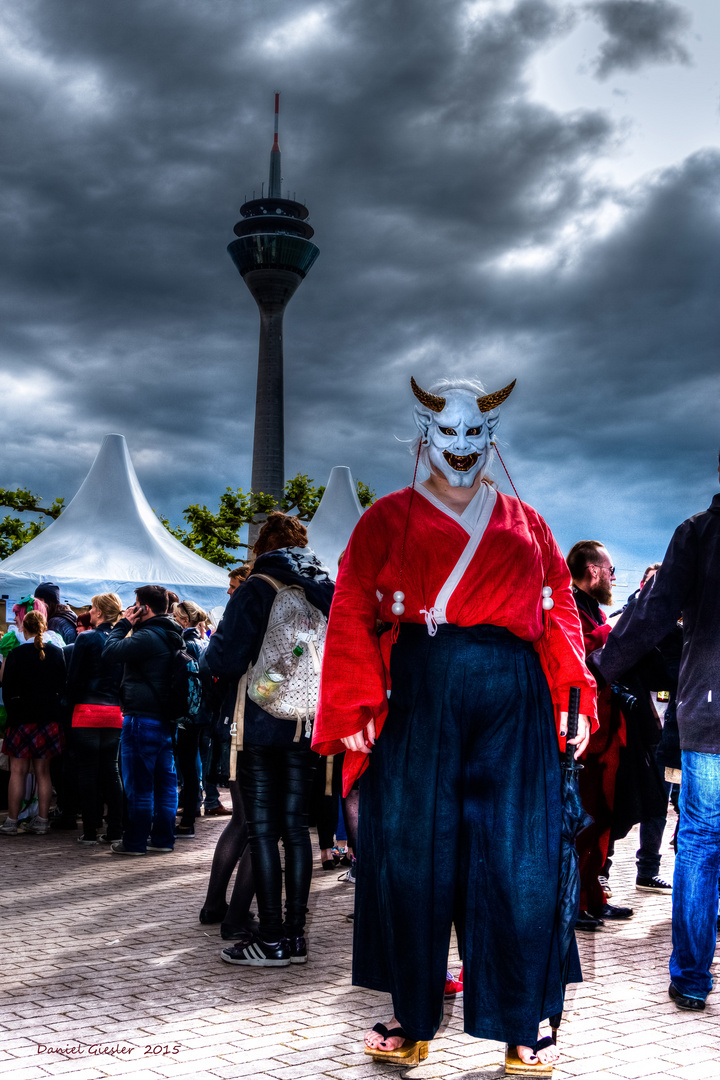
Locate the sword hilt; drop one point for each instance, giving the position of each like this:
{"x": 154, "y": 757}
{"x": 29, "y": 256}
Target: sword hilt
{"x": 572, "y": 723}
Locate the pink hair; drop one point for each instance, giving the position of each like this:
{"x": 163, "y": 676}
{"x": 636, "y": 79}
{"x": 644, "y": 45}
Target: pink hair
{"x": 21, "y": 610}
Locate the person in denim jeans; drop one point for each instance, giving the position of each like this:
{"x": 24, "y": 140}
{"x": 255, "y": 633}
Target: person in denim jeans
{"x": 688, "y": 585}
{"x": 146, "y": 743}
{"x": 150, "y": 779}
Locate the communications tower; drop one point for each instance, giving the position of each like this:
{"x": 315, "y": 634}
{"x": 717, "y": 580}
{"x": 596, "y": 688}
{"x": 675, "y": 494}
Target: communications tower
{"x": 273, "y": 253}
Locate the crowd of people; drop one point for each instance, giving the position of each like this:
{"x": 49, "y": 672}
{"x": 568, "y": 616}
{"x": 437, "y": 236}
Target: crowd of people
{"x": 451, "y": 645}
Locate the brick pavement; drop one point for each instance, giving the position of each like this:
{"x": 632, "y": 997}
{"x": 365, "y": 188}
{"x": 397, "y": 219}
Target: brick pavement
{"x": 102, "y": 952}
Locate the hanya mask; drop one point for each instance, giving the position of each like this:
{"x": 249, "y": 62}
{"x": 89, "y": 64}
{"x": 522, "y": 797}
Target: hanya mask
{"x": 457, "y": 425}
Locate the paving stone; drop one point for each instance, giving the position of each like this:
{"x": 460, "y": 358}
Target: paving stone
{"x": 705, "y": 1070}
{"x": 693, "y": 1043}
{"x": 298, "y": 1072}
{"x": 637, "y": 1069}
{"x": 250, "y": 1068}
{"x": 26, "y": 1072}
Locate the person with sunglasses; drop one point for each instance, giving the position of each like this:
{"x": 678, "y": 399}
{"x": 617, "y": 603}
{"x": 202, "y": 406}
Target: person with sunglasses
{"x": 593, "y": 577}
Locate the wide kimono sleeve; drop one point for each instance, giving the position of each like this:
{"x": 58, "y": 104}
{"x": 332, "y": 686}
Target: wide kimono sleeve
{"x": 353, "y": 687}
{"x": 561, "y": 648}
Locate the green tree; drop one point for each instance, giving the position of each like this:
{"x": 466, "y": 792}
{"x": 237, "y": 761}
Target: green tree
{"x": 215, "y": 536}
{"x": 14, "y": 532}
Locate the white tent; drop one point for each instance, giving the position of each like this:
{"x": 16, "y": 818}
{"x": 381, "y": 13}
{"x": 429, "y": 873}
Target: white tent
{"x": 109, "y": 540}
{"x": 335, "y": 518}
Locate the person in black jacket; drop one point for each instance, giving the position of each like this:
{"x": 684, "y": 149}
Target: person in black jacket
{"x": 193, "y": 622}
{"x": 688, "y": 585}
{"x": 276, "y": 763}
{"x": 92, "y": 693}
{"x": 33, "y": 678}
{"x": 60, "y": 617}
{"x": 146, "y": 743}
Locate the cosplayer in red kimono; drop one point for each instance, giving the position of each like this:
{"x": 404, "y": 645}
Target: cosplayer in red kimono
{"x": 593, "y": 574}
{"x": 460, "y": 807}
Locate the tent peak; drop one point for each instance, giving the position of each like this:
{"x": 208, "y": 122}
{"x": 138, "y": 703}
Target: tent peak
{"x": 109, "y": 532}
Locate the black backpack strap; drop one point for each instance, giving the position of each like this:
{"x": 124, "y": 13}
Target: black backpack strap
{"x": 161, "y": 633}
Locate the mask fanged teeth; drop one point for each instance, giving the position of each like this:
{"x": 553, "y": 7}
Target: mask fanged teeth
{"x": 460, "y": 464}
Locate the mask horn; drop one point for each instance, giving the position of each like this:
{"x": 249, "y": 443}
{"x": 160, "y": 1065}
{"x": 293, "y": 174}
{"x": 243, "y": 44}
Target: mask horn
{"x": 491, "y": 401}
{"x": 430, "y": 401}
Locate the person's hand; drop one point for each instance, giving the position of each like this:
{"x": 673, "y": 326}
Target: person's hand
{"x": 134, "y": 613}
{"x": 583, "y": 736}
{"x": 362, "y": 741}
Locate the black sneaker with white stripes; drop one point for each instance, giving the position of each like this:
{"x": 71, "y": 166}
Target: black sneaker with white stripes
{"x": 653, "y": 884}
{"x": 252, "y": 951}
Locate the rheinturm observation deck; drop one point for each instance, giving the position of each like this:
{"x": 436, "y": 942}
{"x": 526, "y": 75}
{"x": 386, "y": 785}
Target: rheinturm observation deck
{"x": 273, "y": 253}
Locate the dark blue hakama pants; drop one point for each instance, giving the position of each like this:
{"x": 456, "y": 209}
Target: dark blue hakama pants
{"x": 460, "y": 815}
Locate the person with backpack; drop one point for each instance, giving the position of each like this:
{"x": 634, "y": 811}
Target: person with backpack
{"x": 268, "y": 648}
{"x": 149, "y": 644}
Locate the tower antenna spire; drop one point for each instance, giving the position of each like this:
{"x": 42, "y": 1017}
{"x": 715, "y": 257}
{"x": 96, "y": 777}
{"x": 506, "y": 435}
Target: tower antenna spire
{"x": 275, "y": 184}
{"x": 273, "y": 253}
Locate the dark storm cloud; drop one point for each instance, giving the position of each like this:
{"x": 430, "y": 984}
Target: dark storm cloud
{"x": 640, "y": 32}
{"x": 430, "y": 173}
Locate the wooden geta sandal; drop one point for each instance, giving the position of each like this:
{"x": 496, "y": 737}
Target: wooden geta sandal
{"x": 410, "y": 1053}
{"x": 515, "y": 1066}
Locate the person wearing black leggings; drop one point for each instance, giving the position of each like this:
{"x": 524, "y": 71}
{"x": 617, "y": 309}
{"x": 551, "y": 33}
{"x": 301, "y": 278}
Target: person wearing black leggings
{"x": 231, "y": 850}
{"x": 276, "y": 782}
{"x": 276, "y": 765}
{"x": 92, "y": 692}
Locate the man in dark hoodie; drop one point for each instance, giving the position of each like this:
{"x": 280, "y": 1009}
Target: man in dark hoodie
{"x": 688, "y": 585}
{"x": 145, "y": 642}
{"x": 60, "y": 618}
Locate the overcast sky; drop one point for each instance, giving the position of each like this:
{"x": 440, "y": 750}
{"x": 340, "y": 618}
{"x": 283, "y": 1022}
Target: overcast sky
{"x": 499, "y": 189}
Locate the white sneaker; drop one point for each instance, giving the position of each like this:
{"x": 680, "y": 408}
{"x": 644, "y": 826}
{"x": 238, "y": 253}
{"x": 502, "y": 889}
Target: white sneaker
{"x": 604, "y": 885}
{"x": 38, "y": 825}
{"x": 9, "y": 827}
{"x": 349, "y": 876}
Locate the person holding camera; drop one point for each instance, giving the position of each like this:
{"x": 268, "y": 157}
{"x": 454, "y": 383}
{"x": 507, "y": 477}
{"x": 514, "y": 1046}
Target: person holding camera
{"x": 145, "y": 641}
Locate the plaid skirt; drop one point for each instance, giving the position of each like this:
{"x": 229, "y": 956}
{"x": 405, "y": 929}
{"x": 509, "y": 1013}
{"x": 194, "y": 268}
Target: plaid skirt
{"x": 34, "y": 740}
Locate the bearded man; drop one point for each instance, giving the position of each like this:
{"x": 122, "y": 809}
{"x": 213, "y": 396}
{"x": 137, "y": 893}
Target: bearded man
{"x": 456, "y": 710}
{"x": 593, "y": 576}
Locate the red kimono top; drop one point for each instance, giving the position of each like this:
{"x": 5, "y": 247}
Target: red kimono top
{"x": 487, "y": 565}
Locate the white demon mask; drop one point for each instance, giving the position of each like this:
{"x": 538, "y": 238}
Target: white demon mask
{"x": 456, "y": 421}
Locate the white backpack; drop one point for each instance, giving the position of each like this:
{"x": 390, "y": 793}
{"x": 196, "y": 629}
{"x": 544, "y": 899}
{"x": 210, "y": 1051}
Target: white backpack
{"x": 285, "y": 680}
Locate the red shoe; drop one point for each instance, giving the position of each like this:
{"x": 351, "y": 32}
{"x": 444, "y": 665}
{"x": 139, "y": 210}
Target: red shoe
{"x": 453, "y": 987}
{"x": 218, "y": 811}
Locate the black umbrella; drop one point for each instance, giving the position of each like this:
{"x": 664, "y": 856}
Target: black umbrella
{"x": 574, "y": 820}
